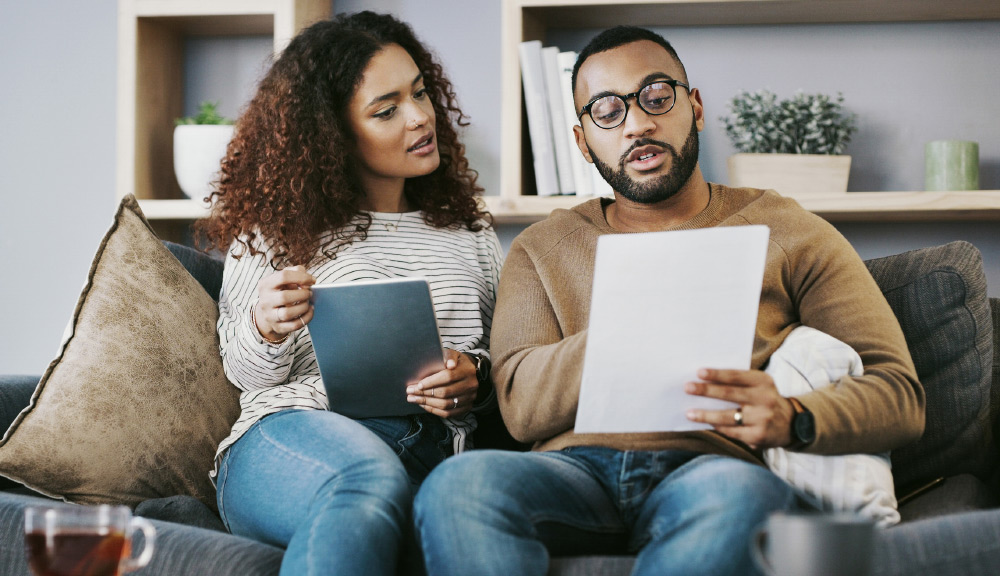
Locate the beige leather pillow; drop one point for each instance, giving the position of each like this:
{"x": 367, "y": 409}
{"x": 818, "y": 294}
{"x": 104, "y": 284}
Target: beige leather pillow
{"x": 136, "y": 402}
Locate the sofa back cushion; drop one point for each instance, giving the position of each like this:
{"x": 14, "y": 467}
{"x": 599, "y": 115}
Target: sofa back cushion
{"x": 939, "y": 297}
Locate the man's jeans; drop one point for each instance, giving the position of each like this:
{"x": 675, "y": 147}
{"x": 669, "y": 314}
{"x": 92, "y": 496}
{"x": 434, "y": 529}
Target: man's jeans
{"x": 336, "y": 492}
{"x": 503, "y": 513}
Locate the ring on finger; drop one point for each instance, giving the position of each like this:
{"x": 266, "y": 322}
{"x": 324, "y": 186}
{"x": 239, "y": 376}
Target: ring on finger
{"x": 302, "y": 322}
{"x": 454, "y": 402}
{"x": 738, "y": 416}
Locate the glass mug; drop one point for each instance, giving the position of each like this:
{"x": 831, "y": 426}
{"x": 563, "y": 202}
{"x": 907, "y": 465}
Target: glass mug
{"x": 84, "y": 540}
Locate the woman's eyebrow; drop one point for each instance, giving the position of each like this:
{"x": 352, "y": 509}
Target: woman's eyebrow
{"x": 394, "y": 95}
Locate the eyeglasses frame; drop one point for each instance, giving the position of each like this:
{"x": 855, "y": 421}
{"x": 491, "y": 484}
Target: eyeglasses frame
{"x": 625, "y": 98}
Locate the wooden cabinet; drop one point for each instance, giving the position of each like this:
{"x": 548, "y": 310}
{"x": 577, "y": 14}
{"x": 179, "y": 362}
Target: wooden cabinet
{"x": 530, "y": 19}
{"x": 151, "y": 37}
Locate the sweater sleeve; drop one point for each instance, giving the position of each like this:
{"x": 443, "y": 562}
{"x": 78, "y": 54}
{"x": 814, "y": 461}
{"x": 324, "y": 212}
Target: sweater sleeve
{"x": 250, "y": 362}
{"x": 537, "y": 369}
{"x": 884, "y": 407}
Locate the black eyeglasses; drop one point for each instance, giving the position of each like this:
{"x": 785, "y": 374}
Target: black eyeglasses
{"x": 655, "y": 98}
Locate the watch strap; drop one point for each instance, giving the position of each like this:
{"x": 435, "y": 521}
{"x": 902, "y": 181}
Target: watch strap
{"x": 797, "y": 442}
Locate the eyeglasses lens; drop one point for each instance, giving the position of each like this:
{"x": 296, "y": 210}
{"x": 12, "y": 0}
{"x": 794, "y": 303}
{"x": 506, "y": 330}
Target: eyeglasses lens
{"x": 657, "y": 98}
{"x": 608, "y": 112}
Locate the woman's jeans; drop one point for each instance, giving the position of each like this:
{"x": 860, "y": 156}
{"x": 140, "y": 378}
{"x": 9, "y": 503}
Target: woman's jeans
{"x": 492, "y": 512}
{"x": 336, "y": 492}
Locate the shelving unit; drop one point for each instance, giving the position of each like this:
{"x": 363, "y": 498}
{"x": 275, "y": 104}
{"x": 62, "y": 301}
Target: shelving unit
{"x": 530, "y": 19}
{"x": 151, "y": 37}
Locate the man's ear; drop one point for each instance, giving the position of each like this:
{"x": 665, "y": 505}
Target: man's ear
{"x": 698, "y": 108}
{"x": 581, "y": 143}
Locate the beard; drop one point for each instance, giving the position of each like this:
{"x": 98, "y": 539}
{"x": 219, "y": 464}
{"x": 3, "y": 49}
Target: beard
{"x": 663, "y": 187}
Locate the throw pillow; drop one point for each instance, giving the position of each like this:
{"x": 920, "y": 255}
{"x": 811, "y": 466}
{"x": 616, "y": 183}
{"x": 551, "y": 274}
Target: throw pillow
{"x": 136, "y": 402}
{"x": 939, "y": 297}
{"x": 860, "y": 483}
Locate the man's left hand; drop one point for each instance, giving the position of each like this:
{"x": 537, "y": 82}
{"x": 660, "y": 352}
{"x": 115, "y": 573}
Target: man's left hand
{"x": 763, "y": 418}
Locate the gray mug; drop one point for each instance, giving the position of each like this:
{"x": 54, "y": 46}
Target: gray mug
{"x": 812, "y": 544}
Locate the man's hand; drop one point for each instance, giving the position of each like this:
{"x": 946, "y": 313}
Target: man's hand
{"x": 765, "y": 417}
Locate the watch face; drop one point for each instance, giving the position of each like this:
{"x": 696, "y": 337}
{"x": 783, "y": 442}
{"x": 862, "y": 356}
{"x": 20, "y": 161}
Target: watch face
{"x": 805, "y": 427}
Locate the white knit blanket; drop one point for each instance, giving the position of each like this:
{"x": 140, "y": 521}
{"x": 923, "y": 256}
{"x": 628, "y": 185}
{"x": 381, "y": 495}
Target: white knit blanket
{"x": 860, "y": 483}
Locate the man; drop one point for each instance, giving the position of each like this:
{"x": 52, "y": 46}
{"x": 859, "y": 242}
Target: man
{"x": 684, "y": 502}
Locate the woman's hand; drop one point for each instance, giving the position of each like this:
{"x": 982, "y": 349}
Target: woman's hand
{"x": 764, "y": 417}
{"x": 283, "y": 304}
{"x": 450, "y": 392}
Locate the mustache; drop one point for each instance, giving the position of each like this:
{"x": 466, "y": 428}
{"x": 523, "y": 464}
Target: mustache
{"x": 645, "y": 142}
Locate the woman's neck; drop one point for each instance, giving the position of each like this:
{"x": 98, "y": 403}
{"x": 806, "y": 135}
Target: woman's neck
{"x": 386, "y": 196}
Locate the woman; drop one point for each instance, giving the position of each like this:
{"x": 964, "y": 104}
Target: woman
{"x": 345, "y": 165}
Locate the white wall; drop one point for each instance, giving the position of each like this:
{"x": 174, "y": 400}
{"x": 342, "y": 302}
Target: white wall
{"x": 57, "y": 165}
{"x": 57, "y": 123}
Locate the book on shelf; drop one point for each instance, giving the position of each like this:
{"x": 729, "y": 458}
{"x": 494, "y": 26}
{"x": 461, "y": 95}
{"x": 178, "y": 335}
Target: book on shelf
{"x": 539, "y": 124}
{"x": 560, "y": 168}
{"x": 582, "y": 177}
{"x": 560, "y": 141}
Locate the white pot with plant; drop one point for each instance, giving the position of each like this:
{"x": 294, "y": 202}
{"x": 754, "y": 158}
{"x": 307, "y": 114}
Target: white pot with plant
{"x": 200, "y": 143}
{"x": 794, "y": 146}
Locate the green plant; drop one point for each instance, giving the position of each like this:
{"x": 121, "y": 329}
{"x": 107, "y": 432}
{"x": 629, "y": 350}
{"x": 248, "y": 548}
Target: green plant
{"x": 805, "y": 124}
{"x": 207, "y": 114}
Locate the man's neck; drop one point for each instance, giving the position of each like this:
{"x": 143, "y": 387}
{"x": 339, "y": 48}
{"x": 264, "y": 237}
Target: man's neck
{"x": 625, "y": 215}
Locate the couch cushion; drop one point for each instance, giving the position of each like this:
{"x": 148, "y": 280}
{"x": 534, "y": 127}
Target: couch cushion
{"x": 995, "y": 391}
{"x": 180, "y": 550}
{"x": 939, "y": 296}
{"x": 205, "y": 269}
{"x": 136, "y": 402}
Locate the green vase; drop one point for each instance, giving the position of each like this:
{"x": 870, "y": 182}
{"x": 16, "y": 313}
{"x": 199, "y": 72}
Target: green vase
{"x": 951, "y": 165}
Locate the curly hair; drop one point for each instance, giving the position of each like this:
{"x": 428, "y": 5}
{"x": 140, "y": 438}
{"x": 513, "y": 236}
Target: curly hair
{"x": 288, "y": 177}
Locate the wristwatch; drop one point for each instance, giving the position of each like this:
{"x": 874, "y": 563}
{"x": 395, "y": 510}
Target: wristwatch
{"x": 803, "y": 426}
{"x": 483, "y": 366}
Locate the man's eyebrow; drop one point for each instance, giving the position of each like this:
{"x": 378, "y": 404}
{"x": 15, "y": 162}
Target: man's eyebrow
{"x": 394, "y": 95}
{"x": 646, "y": 80}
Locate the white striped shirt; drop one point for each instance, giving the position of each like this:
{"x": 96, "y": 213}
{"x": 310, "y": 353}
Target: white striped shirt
{"x": 462, "y": 268}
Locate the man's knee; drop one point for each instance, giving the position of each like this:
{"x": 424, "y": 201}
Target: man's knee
{"x": 458, "y": 480}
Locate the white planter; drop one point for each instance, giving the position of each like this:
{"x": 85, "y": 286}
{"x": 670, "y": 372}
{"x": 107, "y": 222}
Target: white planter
{"x": 198, "y": 152}
{"x": 791, "y": 174}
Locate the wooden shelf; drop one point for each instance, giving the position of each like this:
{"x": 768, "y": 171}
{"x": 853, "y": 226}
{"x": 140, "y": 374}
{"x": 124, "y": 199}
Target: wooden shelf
{"x": 541, "y": 14}
{"x": 530, "y": 20}
{"x": 983, "y": 205}
{"x": 151, "y": 37}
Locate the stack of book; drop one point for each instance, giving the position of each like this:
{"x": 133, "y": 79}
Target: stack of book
{"x": 560, "y": 168}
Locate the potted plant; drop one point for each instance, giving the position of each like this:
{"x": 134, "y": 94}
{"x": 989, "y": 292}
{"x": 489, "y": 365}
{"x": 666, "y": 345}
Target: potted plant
{"x": 792, "y": 146}
{"x": 199, "y": 145}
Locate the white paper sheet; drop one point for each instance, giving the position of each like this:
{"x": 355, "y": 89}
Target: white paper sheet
{"x": 664, "y": 305}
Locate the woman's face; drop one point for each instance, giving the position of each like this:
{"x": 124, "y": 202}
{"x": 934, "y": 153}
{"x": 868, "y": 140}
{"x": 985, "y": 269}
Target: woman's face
{"x": 393, "y": 122}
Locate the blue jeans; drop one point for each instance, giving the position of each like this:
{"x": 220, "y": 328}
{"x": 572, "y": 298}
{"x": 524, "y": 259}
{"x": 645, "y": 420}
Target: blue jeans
{"x": 336, "y": 492}
{"x": 493, "y": 512}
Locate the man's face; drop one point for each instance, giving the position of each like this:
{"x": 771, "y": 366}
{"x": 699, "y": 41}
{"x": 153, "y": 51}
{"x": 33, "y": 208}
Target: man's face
{"x": 647, "y": 158}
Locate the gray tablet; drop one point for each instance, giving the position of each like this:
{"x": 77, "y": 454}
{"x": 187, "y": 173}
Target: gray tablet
{"x": 372, "y": 339}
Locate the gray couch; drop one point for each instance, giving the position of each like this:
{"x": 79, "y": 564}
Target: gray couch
{"x": 952, "y": 328}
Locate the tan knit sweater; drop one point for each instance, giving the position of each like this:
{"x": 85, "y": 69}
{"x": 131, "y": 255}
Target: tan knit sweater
{"x": 813, "y": 277}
